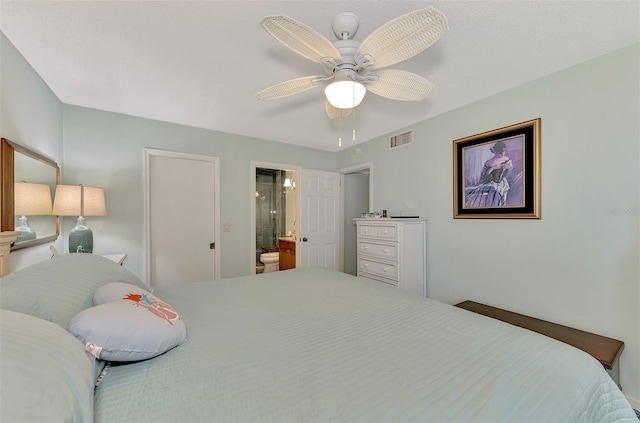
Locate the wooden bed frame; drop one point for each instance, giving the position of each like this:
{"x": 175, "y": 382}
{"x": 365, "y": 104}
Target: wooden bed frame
{"x": 605, "y": 350}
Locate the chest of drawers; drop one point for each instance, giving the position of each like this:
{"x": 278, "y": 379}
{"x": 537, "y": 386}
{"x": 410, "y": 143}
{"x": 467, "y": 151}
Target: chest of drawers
{"x": 393, "y": 251}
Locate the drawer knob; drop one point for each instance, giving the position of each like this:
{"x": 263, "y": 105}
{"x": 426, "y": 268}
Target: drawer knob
{"x": 385, "y": 251}
{"x": 366, "y": 265}
{"x": 366, "y": 248}
{"x": 385, "y": 270}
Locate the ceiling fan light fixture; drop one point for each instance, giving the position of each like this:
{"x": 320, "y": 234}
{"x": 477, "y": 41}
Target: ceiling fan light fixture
{"x": 355, "y": 67}
{"x": 345, "y": 94}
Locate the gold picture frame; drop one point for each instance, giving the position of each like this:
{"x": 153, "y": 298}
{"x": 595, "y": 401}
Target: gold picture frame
{"x": 496, "y": 174}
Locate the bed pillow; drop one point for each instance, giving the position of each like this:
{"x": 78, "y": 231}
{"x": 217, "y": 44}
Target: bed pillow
{"x": 45, "y": 373}
{"x": 59, "y": 288}
{"x": 138, "y": 327}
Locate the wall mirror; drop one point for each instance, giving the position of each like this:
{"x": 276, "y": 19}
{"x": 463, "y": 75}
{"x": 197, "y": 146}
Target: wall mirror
{"x": 27, "y": 168}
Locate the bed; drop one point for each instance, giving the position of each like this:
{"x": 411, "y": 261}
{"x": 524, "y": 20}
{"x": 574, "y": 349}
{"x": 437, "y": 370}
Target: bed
{"x": 305, "y": 345}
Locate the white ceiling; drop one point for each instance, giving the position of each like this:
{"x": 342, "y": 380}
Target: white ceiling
{"x": 200, "y": 63}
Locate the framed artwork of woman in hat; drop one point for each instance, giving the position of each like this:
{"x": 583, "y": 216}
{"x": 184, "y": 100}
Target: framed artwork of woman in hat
{"x": 497, "y": 173}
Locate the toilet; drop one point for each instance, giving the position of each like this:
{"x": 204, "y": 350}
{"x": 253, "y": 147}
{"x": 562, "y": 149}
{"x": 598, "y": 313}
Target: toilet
{"x": 270, "y": 261}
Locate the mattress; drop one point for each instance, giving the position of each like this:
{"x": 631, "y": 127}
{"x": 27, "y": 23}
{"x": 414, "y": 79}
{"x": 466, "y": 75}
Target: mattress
{"x": 311, "y": 344}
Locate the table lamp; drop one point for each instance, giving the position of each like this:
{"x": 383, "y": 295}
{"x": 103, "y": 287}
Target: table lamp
{"x": 81, "y": 201}
{"x": 30, "y": 200}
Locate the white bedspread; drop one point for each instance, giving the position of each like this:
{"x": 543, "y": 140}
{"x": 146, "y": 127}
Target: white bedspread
{"x": 310, "y": 345}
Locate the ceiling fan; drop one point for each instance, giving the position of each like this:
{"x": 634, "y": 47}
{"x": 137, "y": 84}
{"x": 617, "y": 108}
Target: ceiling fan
{"x": 353, "y": 67}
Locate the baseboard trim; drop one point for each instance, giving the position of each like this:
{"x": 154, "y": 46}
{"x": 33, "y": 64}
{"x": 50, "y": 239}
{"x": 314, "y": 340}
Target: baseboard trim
{"x": 635, "y": 402}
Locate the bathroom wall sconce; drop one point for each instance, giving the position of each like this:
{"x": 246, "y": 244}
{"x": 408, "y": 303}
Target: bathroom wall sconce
{"x": 81, "y": 201}
{"x": 288, "y": 183}
{"x": 30, "y": 200}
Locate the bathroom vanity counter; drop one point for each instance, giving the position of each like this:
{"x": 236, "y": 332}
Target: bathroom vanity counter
{"x": 287, "y": 247}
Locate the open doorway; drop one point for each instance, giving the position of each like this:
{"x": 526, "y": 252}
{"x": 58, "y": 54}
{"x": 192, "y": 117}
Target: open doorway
{"x": 358, "y": 198}
{"x": 275, "y": 205}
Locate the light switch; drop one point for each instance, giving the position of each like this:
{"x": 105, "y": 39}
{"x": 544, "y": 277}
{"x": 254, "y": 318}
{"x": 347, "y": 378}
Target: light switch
{"x": 227, "y": 227}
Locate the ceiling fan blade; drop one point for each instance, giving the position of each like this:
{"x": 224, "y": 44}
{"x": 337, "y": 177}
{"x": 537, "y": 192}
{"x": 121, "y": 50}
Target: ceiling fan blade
{"x": 292, "y": 86}
{"x": 400, "y": 85}
{"x": 334, "y": 112}
{"x": 403, "y": 37}
{"x": 300, "y": 38}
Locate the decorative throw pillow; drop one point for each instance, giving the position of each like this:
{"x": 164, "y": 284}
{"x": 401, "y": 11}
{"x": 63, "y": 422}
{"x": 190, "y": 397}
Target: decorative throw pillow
{"x": 116, "y": 291}
{"x": 137, "y": 326}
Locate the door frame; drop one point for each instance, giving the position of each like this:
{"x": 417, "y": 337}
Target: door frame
{"x": 252, "y": 206}
{"x": 148, "y": 154}
{"x": 359, "y": 168}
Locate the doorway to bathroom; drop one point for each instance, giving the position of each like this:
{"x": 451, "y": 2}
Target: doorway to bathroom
{"x": 276, "y": 203}
{"x": 358, "y": 198}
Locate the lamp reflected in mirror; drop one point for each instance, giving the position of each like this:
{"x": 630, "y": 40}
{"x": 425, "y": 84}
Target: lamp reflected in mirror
{"x": 30, "y": 200}
{"x": 20, "y": 164}
{"x": 81, "y": 201}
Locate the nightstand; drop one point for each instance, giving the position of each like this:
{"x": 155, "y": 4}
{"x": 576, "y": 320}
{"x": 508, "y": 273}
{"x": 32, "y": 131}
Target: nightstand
{"x": 117, "y": 258}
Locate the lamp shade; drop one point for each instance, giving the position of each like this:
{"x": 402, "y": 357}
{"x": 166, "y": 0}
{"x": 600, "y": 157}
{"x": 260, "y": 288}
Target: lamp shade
{"x": 345, "y": 94}
{"x": 32, "y": 199}
{"x": 67, "y": 201}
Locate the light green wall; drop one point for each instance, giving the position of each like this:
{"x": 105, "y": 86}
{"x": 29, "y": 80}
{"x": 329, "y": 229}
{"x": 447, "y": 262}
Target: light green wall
{"x": 30, "y": 115}
{"x": 106, "y": 149}
{"x": 579, "y": 264}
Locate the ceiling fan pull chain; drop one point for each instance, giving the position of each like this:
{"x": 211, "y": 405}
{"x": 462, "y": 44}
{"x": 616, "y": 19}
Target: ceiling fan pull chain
{"x": 353, "y": 120}
{"x": 340, "y": 132}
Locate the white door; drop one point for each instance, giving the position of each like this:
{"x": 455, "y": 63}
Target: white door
{"x": 181, "y": 215}
{"x": 321, "y": 220}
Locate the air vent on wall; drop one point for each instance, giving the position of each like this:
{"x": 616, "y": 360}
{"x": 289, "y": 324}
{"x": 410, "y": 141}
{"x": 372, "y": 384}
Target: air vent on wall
{"x": 401, "y": 139}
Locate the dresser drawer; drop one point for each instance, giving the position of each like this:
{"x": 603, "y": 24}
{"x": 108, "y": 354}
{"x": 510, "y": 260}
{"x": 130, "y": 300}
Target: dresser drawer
{"x": 385, "y": 270}
{"x": 379, "y": 279}
{"x": 386, "y": 251}
{"x": 393, "y": 251}
{"x": 387, "y": 232}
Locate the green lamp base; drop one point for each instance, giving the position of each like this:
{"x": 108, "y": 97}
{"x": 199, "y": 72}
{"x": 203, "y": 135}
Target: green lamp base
{"x": 81, "y": 238}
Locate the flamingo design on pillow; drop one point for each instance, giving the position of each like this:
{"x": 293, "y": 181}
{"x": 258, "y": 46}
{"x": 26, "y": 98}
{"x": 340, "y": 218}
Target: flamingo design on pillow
{"x": 155, "y": 306}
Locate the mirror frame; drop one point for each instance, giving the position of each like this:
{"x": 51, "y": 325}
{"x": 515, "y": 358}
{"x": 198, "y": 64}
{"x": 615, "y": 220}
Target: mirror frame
{"x": 7, "y": 179}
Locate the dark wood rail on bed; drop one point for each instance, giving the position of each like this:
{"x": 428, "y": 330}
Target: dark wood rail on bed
{"x": 605, "y": 350}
